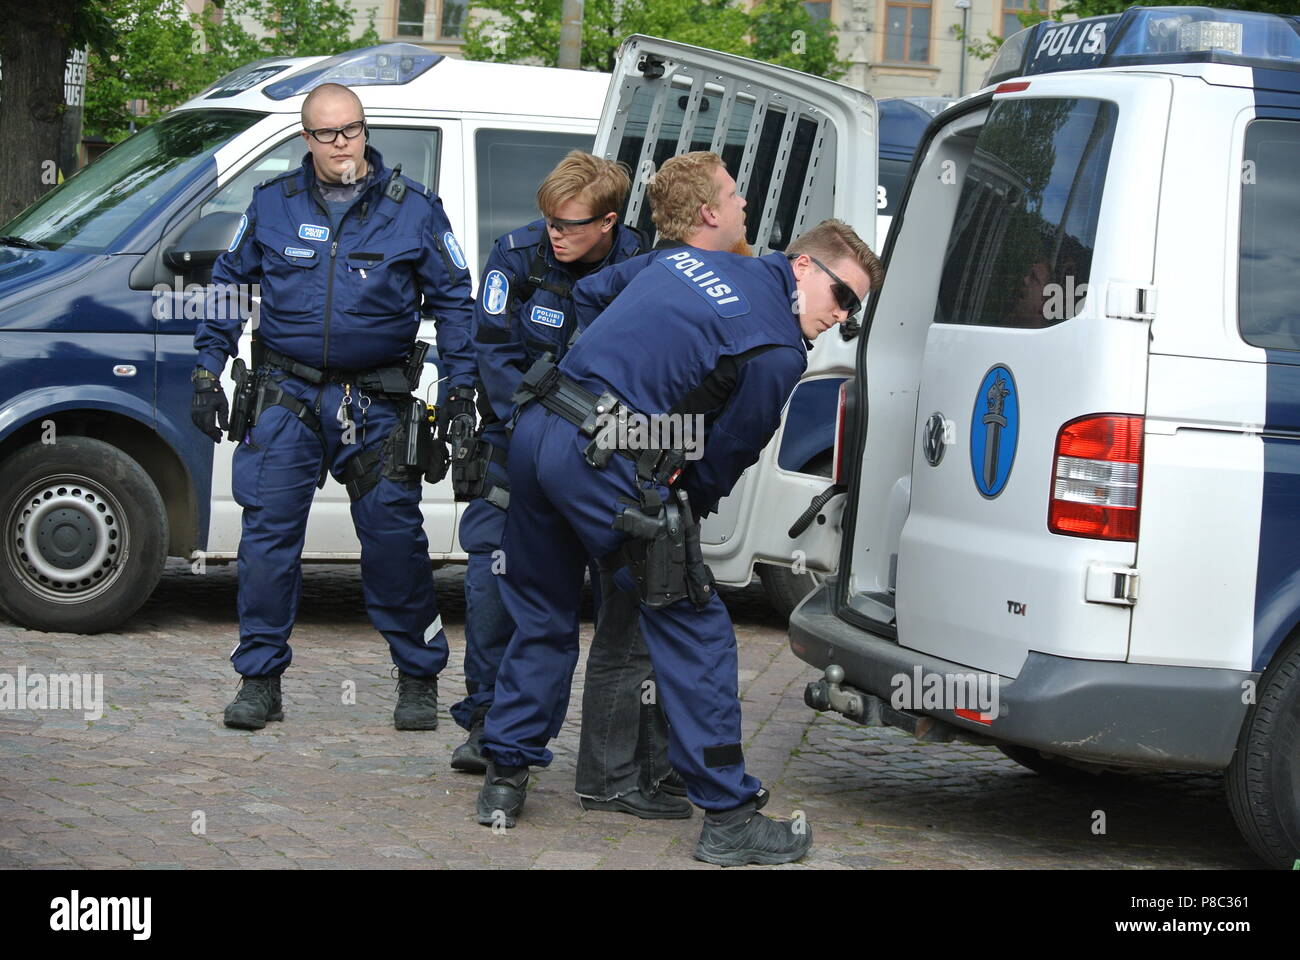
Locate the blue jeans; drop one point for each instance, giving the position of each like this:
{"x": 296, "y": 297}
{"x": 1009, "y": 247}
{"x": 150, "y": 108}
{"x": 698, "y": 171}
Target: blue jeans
{"x": 624, "y": 744}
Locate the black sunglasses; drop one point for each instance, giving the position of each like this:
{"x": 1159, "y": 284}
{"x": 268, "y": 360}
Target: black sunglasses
{"x": 330, "y": 134}
{"x": 847, "y": 300}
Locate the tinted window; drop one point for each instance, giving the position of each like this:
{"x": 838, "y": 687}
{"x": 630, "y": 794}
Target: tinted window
{"x": 1269, "y": 292}
{"x": 1022, "y": 241}
{"x": 89, "y": 211}
{"x": 415, "y": 149}
{"x": 511, "y": 165}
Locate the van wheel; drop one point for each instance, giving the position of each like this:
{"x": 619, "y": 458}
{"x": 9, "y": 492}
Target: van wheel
{"x": 786, "y": 589}
{"x": 1263, "y": 780}
{"x": 1054, "y": 767}
{"x": 84, "y": 536}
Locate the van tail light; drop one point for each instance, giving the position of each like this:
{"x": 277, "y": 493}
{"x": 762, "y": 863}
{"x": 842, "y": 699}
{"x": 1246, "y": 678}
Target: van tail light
{"x": 841, "y": 419}
{"x": 1097, "y": 478}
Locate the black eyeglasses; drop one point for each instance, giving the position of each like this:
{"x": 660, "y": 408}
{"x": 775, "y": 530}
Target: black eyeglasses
{"x": 847, "y": 300}
{"x": 562, "y": 226}
{"x": 330, "y": 134}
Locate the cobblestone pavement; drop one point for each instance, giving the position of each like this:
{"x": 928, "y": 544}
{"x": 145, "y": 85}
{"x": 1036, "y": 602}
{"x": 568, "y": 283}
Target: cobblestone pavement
{"x": 335, "y": 785}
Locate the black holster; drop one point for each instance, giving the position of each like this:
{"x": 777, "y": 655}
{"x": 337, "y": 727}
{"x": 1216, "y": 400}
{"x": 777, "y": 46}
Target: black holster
{"x": 241, "y": 411}
{"x": 663, "y": 551}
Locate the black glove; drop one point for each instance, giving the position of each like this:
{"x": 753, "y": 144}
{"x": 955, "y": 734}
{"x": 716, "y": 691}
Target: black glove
{"x": 438, "y": 462}
{"x": 459, "y": 404}
{"x": 209, "y": 407}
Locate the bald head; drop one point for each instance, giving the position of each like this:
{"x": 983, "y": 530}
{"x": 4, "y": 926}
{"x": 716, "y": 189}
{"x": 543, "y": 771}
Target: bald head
{"x": 329, "y": 96}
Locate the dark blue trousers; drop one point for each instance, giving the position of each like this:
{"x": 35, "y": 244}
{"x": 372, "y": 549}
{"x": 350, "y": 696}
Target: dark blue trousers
{"x": 561, "y": 511}
{"x": 274, "y": 476}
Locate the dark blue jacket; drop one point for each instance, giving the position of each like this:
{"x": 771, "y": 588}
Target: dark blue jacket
{"x": 692, "y": 331}
{"x": 515, "y": 322}
{"x": 352, "y": 299}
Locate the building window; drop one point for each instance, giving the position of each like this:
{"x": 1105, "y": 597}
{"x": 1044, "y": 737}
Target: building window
{"x": 818, "y": 10}
{"x": 907, "y": 32}
{"x": 1010, "y": 22}
{"x": 449, "y": 15}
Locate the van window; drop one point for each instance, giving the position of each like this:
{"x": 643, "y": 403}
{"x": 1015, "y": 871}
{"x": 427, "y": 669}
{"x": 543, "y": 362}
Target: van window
{"x": 1021, "y": 245}
{"x": 89, "y": 211}
{"x": 511, "y": 165}
{"x": 1268, "y": 296}
{"x": 415, "y": 148}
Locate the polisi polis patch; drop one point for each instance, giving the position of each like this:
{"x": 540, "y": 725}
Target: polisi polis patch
{"x": 239, "y": 233}
{"x": 994, "y": 430}
{"x": 706, "y": 282}
{"x": 453, "y": 249}
{"x": 310, "y": 231}
{"x": 496, "y": 291}
{"x": 548, "y": 318}
{"x": 299, "y": 252}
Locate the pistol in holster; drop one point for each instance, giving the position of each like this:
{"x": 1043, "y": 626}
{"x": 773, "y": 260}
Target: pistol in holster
{"x": 663, "y": 551}
{"x": 242, "y": 409}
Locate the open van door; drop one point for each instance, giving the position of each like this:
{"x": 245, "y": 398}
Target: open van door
{"x": 802, "y": 149}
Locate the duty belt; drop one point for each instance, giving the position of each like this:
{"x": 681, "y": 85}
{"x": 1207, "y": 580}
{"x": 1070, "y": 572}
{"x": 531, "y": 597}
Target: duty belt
{"x": 393, "y": 379}
{"x": 598, "y": 416}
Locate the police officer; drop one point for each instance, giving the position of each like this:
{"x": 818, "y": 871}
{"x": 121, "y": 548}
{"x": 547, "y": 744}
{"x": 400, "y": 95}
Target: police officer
{"x": 524, "y": 309}
{"x": 696, "y": 332}
{"x": 342, "y": 248}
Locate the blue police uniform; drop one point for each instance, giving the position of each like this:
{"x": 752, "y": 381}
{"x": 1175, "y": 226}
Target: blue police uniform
{"x": 691, "y": 332}
{"x": 341, "y": 293}
{"x": 524, "y": 309}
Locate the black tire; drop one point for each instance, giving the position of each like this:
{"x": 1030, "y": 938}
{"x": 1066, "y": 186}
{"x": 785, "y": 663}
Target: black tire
{"x": 83, "y": 536}
{"x": 1053, "y": 767}
{"x": 784, "y": 588}
{"x": 1263, "y": 781}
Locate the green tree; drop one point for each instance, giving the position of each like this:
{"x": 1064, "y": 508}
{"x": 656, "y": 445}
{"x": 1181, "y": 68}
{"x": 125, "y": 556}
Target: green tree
{"x": 162, "y": 54}
{"x": 784, "y": 33}
{"x": 528, "y": 31}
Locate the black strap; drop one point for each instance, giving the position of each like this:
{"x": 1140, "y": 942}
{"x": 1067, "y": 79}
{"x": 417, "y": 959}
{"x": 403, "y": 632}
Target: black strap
{"x": 361, "y": 473}
{"x": 537, "y": 270}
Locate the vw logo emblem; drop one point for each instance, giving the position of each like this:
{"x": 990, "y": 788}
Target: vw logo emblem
{"x": 934, "y": 440}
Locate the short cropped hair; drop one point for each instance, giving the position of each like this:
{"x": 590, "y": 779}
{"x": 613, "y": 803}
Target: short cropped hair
{"x": 330, "y": 90}
{"x": 682, "y": 185}
{"x": 835, "y": 240}
{"x": 601, "y": 184}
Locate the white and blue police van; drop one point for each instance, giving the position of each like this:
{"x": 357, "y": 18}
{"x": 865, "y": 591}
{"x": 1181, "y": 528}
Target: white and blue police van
{"x": 102, "y": 475}
{"x": 1070, "y": 453}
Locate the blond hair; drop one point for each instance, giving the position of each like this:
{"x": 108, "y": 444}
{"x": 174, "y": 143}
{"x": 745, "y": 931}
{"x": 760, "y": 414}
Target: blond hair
{"x": 835, "y": 240}
{"x": 682, "y": 185}
{"x": 601, "y": 184}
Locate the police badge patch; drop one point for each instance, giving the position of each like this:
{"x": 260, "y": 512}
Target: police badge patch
{"x": 496, "y": 291}
{"x": 239, "y": 234}
{"x": 548, "y": 318}
{"x": 453, "y": 249}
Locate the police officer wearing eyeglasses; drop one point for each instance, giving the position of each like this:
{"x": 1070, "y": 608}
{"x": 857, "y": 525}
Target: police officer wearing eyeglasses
{"x": 344, "y": 251}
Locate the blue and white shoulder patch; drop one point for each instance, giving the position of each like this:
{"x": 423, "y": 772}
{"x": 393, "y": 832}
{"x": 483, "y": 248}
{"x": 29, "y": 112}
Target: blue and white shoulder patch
{"x": 239, "y": 234}
{"x": 496, "y": 291}
{"x": 547, "y": 317}
{"x": 725, "y": 298}
{"x": 453, "y": 249}
{"x": 311, "y": 231}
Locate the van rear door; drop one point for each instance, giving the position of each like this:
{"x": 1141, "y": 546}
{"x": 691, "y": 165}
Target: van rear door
{"x": 801, "y": 149}
{"x": 1034, "y": 317}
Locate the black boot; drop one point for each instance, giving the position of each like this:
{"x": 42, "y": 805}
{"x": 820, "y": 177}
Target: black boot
{"x": 417, "y": 703}
{"x": 733, "y": 838}
{"x": 502, "y": 798}
{"x": 647, "y": 806}
{"x": 673, "y": 784}
{"x": 258, "y": 701}
{"x": 466, "y": 757}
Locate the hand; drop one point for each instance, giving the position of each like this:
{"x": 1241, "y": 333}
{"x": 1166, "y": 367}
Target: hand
{"x": 209, "y": 408}
{"x": 438, "y": 462}
{"x": 460, "y": 404}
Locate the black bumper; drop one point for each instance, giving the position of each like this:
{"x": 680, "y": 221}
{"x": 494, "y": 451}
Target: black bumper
{"x": 1132, "y": 714}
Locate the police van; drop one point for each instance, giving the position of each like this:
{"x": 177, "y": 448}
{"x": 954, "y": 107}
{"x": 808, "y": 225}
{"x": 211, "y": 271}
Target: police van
{"x": 102, "y": 475}
{"x": 1071, "y": 449}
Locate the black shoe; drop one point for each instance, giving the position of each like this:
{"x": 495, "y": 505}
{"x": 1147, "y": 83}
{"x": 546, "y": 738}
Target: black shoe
{"x": 733, "y": 838}
{"x": 502, "y": 798}
{"x": 467, "y": 757}
{"x": 673, "y": 784}
{"x": 417, "y": 703}
{"x": 653, "y": 806}
{"x": 257, "y": 702}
